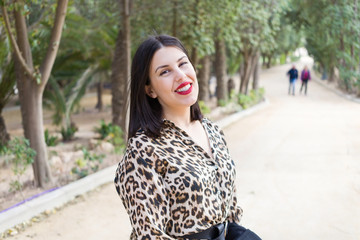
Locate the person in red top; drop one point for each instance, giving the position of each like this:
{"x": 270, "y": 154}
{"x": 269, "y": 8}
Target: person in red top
{"x": 305, "y": 77}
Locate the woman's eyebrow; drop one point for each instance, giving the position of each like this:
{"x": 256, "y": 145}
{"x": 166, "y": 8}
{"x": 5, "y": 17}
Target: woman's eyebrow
{"x": 163, "y": 66}
{"x": 181, "y": 58}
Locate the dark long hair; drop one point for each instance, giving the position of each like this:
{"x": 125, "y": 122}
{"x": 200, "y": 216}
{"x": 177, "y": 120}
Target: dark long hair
{"x": 146, "y": 112}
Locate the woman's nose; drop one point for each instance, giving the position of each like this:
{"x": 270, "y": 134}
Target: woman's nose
{"x": 180, "y": 74}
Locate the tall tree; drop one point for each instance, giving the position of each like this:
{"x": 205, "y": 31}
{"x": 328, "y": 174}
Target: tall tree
{"x": 257, "y": 29}
{"x": 221, "y": 71}
{"x": 204, "y": 77}
{"x": 31, "y": 81}
{"x": 121, "y": 68}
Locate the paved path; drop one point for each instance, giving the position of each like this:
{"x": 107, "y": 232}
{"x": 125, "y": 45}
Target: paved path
{"x": 298, "y": 173}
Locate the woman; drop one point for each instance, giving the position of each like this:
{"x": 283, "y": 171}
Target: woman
{"x": 305, "y": 77}
{"x": 176, "y": 179}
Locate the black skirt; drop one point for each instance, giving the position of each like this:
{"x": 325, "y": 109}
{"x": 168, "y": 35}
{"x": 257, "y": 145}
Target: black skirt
{"x": 224, "y": 231}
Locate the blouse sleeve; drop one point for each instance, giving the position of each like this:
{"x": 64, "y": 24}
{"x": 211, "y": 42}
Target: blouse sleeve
{"x": 140, "y": 184}
{"x": 235, "y": 210}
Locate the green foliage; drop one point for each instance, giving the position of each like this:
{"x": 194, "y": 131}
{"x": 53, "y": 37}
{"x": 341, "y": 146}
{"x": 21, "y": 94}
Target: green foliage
{"x": 113, "y": 134}
{"x": 50, "y": 140}
{"x": 254, "y": 97}
{"x": 332, "y": 33}
{"x": 204, "y": 108}
{"x": 80, "y": 63}
{"x": 104, "y": 130}
{"x": 69, "y": 133}
{"x": 63, "y": 101}
{"x": 88, "y": 164}
{"x": 244, "y": 100}
{"x": 117, "y": 139}
{"x": 222, "y": 103}
{"x": 20, "y": 155}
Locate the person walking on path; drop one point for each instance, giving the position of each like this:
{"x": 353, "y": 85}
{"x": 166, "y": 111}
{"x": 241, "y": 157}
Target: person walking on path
{"x": 293, "y": 76}
{"x": 305, "y": 77}
{"x": 176, "y": 179}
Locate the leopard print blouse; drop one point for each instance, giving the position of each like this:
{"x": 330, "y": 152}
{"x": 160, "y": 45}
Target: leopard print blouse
{"x": 171, "y": 187}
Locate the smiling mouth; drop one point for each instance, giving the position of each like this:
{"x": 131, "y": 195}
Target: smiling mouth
{"x": 183, "y": 87}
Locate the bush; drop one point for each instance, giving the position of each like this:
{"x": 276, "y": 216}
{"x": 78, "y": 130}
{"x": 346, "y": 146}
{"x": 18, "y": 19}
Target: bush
{"x": 113, "y": 134}
{"x": 69, "y": 133}
{"x": 254, "y": 97}
{"x": 19, "y": 153}
{"x": 222, "y": 103}
{"x": 104, "y": 130}
{"x": 50, "y": 140}
{"x": 244, "y": 100}
{"x": 88, "y": 164}
{"x": 204, "y": 108}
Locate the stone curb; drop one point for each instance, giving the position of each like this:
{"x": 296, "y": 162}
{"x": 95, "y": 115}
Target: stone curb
{"x": 54, "y": 199}
{"x": 58, "y": 197}
{"x": 238, "y": 115}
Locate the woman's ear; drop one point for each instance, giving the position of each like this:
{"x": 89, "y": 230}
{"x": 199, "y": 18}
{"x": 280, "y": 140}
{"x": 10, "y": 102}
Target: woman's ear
{"x": 149, "y": 91}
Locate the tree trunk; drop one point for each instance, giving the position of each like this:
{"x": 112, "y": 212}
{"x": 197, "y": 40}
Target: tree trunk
{"x": 249, "y": 66}
{"x": 117, "y": 88}
{"x": 256, "y": 74}
{"x": 241, "y": 70}
{"x": 99, "y": 91}
{"x": 194, "y": 57}
{"x": 332, "y": 75}
{"x": 263, "y": 56}
{"x": 204, "y": 77}
{"x": 121, "y": 70}
{"x": 268, "y": 64}
{"x": 31, "y": 107}
{"x": 220, "y": 70}
{"x": 31, "y": 88}
{"x": 4, "y": 136}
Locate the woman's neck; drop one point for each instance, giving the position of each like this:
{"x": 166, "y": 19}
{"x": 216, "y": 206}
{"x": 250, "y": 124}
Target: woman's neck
{"x": 181, "y": 119}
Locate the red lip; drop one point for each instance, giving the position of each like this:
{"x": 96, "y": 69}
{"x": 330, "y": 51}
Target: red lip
{"x": 182, "y": 85}
{"x": 186, "y": 92}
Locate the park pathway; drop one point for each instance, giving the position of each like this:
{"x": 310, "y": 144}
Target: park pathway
{"x": 298, "y": 173}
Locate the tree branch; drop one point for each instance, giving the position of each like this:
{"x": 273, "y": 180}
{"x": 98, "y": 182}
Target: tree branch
{"x": 14, "y": 44}
{"x": 48, "y": 61}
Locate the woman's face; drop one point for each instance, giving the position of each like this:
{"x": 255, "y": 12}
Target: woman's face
{"x": 172, "y": 79}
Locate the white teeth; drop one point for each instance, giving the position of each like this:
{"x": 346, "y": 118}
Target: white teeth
{"x": 185, "y": 88}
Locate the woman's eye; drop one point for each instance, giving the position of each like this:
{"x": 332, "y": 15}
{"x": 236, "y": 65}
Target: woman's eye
{"x": 183, "y": 63}
{"x": 164, "y": 72}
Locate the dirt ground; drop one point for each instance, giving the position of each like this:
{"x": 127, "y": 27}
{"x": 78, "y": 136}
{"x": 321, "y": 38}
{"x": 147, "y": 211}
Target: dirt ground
{"x": 61, "y": 156}
{"x": 298, "y": 173}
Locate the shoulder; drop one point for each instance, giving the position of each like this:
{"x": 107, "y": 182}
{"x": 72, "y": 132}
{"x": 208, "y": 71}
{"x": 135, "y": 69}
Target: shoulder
{"x": 143, "y": 151}
{"x": 212, "y": 127}
{"x": 139, "y": 162}
{"x": 138, "y": 141}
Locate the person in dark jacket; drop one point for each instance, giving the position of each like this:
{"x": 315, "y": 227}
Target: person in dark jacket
{"x": 305, "y": 77}
{"x": 293, "y": 75}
